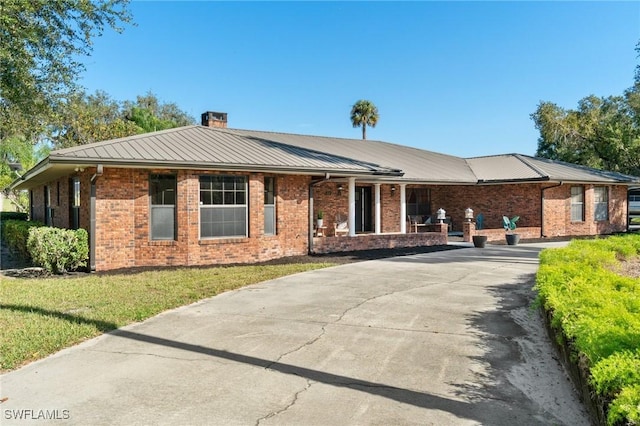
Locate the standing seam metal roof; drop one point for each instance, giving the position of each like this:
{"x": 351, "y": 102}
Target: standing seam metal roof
{"x": 199, "y": 145}
{"x": 224, "y": 148}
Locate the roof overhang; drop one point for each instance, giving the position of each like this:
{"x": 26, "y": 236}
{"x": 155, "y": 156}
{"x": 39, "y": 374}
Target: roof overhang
{"x": 52, "y": 168}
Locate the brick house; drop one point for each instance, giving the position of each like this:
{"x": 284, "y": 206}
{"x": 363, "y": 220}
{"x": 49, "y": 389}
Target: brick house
{"x": 201, "y": 195}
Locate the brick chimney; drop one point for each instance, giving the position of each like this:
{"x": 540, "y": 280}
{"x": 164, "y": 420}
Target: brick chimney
{"x": 214, "y": 119}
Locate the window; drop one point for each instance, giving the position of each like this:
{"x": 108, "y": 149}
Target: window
{"x": 223, "y": 206}
{"x": 162, "y": 192}
{"x": 269, "y": 206}
{"x": 48, "y": 211}
{"x": 418, "y": 202}
{"x": 75, "y": 203}
{"x": 577, "y": 204}
{"x": 601, "y": 203}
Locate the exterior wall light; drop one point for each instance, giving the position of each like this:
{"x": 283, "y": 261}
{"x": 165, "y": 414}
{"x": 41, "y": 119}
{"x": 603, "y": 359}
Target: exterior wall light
{"x": 393, "y": 190}
{"x": 468, "y": 214}
{"x": 340, "y": 188}
{"x": 442, "y": 214}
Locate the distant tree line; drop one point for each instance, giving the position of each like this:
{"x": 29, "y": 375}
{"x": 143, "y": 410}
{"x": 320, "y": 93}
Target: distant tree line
{"x": 42, "y": 107}
{"x": 602, "y": 132}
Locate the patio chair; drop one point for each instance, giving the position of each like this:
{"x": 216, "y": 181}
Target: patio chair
{"x": 341, "y": 226}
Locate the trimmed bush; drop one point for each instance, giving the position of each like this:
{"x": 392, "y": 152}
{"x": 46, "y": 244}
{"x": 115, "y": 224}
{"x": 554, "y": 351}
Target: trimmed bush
{"x": 58, "y": 250}
{"x": 13, "y": 216}
{"x": 598, "y": 311}
{"x": 16, "y": 232}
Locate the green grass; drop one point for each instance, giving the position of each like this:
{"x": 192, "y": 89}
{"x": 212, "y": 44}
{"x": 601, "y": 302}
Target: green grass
{"x": 598, "y": 311}
{"x": 41, "y": 316}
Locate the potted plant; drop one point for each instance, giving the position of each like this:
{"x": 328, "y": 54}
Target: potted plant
{"x": 509, "y": 227}
{"x": 320, "y": 219}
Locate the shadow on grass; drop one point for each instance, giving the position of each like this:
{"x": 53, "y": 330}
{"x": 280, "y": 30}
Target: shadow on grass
{"x": 102, "y": 326}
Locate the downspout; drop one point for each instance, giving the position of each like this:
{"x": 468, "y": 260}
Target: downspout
{"x": 542, "y": 233}
{"x": 311, "y": 185}
{"x": 92, "y": 219}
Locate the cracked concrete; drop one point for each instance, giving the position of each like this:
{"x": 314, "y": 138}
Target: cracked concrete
{"x": 436, "y": 338}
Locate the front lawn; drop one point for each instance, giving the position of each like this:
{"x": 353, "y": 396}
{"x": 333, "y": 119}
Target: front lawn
{"x": 41, "y": 316}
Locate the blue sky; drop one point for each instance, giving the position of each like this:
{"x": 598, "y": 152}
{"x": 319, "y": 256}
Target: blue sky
{"x": 460, "y": 78}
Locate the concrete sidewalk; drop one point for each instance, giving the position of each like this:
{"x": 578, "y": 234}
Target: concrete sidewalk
{"x": 442, "y": 338}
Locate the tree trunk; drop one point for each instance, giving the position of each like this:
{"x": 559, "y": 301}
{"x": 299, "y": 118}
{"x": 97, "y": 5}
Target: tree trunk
{"x": 364, "y": 131}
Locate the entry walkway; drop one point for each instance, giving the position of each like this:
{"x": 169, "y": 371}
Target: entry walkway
{"x": 443, "y": 338}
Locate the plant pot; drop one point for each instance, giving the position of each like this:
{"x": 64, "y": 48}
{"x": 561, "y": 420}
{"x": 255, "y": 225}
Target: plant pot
{"x": 320, "y": 222}
{"x": 513, "y": 239}
{"x": 479, "y": 241}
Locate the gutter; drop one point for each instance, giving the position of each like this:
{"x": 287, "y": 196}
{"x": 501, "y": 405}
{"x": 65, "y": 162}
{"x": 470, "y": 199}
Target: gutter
{"x": 326, "y": 178}
{"x": 542, "y": 233}
{"x": 230, "y": 167}
{"x": 92, "y": 220}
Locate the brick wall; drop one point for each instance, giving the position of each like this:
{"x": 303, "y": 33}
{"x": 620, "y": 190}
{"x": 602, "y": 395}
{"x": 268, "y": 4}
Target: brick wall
{"x": 373, "y": 241}
{"x": 557, "y": 212}
{"x": 493, "y": 201}
{"x": 123, "y": 230}
{"x": 61, "y": 200}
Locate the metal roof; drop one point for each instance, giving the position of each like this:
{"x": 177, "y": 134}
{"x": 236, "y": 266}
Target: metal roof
{"x": 200, "y": 147}
{"x": 418, "y": 165}
{"x": 518, "y": 167}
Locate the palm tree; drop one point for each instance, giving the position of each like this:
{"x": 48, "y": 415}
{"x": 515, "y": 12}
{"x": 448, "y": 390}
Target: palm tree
{"x": 364, "y": 113}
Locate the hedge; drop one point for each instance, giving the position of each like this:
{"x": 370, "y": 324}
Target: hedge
{"x": 598, "y": 311}
{"x": 12, "y": 216}
{"x": 16, "y": 232}
{"x": 58, "y": 250}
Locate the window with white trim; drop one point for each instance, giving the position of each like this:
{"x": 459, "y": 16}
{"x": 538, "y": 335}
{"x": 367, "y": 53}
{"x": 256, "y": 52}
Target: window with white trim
{"x": 75, "y": 202}
{"x": 162, "y": 194}
{"x": 223, "y": 206}
{"x": 601, "y": 203}
{"x": 577, "y": 204}
{"x": 269, "y": 205}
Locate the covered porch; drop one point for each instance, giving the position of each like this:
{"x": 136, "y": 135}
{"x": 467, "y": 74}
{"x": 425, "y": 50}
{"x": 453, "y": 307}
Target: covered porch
{"x": 364, "y": 214}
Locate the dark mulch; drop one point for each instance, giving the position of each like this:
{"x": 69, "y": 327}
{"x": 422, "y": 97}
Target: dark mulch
{"x": 337, "y": 258}
{"x": 359, "y": 256}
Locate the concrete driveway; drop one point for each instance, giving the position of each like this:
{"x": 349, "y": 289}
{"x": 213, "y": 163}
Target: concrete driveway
{"x": 443, "y": 338}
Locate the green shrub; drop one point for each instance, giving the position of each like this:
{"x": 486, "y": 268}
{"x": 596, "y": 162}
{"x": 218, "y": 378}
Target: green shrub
{"x": 598, "y": 310}
{"x": 625, "y": 409}
{"x": 13, "y": 216}
{"x": 58, "y": 250}
{"x": 16, "y": 232}
{"x": 615, "y": 372}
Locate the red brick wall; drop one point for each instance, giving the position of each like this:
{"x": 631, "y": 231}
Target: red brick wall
{"x": 557, "y": 212}
{"x": 123, "y": 233}
{"x": 60, "y": 201}
{"x": 493, "y": 201}
{"x": 123, "y": 236}
{"x": 115, "y": 219}
{"x": 373, "y": 241}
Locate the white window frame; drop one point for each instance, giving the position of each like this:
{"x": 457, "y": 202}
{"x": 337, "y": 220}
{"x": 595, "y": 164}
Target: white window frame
{"x": 601, "y": 208}
{"x": 221, "y": 206}
{"x": 575, "y": 203}
{"x": 270, "y": 206}
{"x": 163, "y": 206}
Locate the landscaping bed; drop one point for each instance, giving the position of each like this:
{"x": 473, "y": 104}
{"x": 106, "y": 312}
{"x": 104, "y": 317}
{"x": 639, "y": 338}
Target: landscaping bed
{"x": 591, "y": 295}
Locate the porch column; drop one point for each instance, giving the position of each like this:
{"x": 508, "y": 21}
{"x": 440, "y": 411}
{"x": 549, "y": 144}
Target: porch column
{"x": 377, "y": 212}
{"x": 403, "y": 208}
{"x": 352, "y": 207}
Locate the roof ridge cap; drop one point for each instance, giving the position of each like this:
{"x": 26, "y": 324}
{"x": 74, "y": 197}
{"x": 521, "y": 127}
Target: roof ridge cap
{"x": 521, "y": 158}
